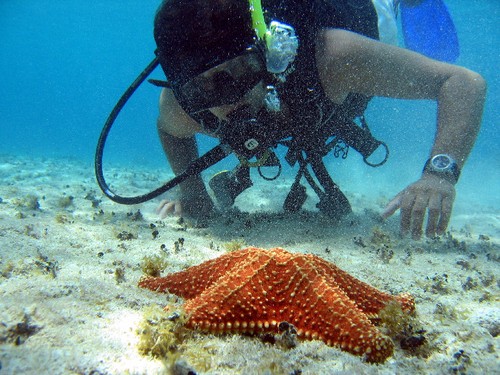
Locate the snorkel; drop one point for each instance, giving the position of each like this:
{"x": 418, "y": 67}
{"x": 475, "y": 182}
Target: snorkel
{"x": 258, "y": 22}
{"x": 280, "y": 40}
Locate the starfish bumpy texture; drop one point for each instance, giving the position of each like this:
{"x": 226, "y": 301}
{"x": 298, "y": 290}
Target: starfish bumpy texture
{"x": 254, "y": 290}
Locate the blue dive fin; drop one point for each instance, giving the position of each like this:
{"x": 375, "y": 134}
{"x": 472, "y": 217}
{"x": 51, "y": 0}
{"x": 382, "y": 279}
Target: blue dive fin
{"x": 429, "y": 30}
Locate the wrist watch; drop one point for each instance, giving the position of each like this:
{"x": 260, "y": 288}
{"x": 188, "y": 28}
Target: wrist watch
{"x": 444, "y": 166}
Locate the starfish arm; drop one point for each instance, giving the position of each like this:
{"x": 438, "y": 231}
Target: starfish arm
{"x": 335, "y": 317}
{"x": 369, "y": 299}
{"x": 194, "y": 280}
{"x": 340, "y": 323}
{"x": 406, "y": 301}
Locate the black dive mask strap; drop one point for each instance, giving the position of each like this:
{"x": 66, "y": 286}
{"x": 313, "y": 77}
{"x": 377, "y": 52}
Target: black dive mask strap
{"x": 210, "y": 158}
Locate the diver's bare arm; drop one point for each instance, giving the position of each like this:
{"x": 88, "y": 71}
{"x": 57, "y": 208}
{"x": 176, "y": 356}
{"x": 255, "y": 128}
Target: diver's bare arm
{"x": 349, "y": 62}
{"x": 176, "y": 131}
{"x": 352, "y": 63}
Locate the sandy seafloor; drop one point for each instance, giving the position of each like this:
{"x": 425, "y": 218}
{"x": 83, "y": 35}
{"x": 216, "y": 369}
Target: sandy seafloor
{"x": 69, "y": 301}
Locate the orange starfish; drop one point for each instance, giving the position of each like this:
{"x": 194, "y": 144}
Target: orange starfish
{"x": 254, "y": 290}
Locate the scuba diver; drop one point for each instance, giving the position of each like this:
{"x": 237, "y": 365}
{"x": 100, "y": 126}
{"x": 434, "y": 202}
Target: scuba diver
{"x": 299, "y": 74}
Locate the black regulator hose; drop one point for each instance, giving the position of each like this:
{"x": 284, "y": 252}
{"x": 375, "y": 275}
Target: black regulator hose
{"x": 210, "y": 158}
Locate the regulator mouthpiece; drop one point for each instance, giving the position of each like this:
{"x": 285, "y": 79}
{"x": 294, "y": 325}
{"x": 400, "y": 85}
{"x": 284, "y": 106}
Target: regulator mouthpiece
{"x": 282, "y": 44}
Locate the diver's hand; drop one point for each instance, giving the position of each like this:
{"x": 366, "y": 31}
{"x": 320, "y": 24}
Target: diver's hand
{"x": 430, "y": 194}
{"x": 169, "y": 208}
{"x": 198, "y": 208}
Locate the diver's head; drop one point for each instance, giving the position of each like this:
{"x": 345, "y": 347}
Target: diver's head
{"x": 215, "y": 52}
{"x": 193, "y": 36}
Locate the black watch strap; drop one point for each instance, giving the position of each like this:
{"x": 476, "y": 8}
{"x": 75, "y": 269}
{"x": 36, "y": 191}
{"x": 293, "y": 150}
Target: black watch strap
{"x": 450, "y": 173}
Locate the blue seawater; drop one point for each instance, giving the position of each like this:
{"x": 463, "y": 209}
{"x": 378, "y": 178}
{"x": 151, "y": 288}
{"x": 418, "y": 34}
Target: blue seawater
{"x": 64, "y": 64}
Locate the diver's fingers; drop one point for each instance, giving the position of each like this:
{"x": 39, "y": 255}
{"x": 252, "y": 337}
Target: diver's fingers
{"x": 404, "y": 203}
{"x": 444, "y": 220}
{"x": 434, "y": 211}
{"x": 177, "y": 210}
{"x": 406, "y": 207}
{"x": 391, "y": 207}
{"x": 417, "y": 215}
{"x": 167, "y": 209}
{"x": 160, "y": 206}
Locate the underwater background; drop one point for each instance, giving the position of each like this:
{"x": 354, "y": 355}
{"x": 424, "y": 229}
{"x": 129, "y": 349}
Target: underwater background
{"x": 70, "y": 259}
{"x": 64, "y": 64}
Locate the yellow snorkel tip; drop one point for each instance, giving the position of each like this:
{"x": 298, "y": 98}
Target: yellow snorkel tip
{"x": 280, "y": 40}
{"x": 258, "y": 22}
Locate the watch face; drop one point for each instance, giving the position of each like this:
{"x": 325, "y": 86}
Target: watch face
{"x": 441, "y": 162}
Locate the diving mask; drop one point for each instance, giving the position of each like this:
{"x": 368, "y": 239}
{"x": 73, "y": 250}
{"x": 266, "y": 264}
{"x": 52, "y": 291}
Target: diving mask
{"x": 226, "y": 83}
